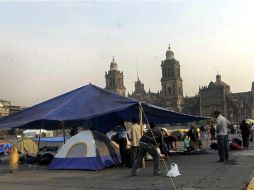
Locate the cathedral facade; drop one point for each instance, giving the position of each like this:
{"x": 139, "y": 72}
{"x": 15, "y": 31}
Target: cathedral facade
{"x": 171, "y": 94}
{"x": 215, "y": 96}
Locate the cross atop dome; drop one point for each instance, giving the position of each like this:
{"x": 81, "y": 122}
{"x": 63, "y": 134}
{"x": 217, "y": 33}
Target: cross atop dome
{"x": 113, "y": 65}
{"x": 169, "y": 53}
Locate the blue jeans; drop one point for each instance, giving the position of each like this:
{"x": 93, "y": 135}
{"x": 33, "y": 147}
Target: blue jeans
{"x": 222, "y": 141}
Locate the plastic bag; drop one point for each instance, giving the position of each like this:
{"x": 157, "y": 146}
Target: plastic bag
{"x": 173, "y": 172}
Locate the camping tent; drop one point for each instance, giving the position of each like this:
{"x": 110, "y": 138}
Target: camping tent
{"x": 89, "y": 150}
{"x": 90, "y": 107}
{"x": 26, "y": 146}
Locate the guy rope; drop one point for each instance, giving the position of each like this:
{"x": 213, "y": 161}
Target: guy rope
{"x": 164, "y": 162}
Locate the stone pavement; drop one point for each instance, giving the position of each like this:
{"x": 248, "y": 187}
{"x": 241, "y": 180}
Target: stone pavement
{"x": 197, "y": 172}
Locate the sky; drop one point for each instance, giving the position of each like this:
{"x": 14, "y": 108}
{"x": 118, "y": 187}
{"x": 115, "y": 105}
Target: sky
{"x": 49, "y": 48}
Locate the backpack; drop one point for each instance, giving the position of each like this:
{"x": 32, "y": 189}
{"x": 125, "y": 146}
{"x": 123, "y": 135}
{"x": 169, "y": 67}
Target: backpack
{"x": 237, "y": 141}
{"x": 214, "y": 146}
{"x": 234, "y": 146}
{"x": 45, "y": 159}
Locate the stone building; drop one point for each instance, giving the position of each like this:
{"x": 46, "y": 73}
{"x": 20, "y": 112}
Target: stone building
{"x": 171, "y": 94}
{"x": 114, "y": 79}
{"x": 141, "y": 95}
{"x": 217, "y": 96}
{"x": 6, "y": 108}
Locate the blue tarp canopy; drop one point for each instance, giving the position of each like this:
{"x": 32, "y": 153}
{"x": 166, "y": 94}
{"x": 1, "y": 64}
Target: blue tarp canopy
{"x": 90, "y": 107}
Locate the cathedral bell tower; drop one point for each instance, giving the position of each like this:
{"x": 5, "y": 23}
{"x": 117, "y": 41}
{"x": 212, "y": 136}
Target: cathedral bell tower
{"x": 114, "y": 79}
{"x": 171, "y": 83}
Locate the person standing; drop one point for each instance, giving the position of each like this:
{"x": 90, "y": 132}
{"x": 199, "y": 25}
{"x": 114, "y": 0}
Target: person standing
{"x": 212, "y": 133}
{"x": 245, "y": 129}
{"x": 222, "y": 136}
{"x": 202, "y": 132}
{"x": 122, "y": 140}
{"x": 193, "y": 136}
{"x": 135, "y": 133}
{"x": 148, "y": 144}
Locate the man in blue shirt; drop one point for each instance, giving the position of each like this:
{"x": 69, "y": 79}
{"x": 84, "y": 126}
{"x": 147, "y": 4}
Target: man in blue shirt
{"x": 122, "y": 140}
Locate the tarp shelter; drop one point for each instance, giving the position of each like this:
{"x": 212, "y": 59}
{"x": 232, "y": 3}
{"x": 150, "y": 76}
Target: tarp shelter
{"x": 89, "y": 150}
{"x": 90, "y": 107}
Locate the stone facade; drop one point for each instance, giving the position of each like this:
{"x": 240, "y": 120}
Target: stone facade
{"x": 114, "y": 79}
{"x": 217, "y": 96}
{"x": 141, "y": 95}
{"x": 171, "y": 94}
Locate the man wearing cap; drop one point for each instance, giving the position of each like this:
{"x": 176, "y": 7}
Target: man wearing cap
{"x": 148, "y": 144}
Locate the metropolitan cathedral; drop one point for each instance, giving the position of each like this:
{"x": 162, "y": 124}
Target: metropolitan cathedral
{"x": 215, "y": 96}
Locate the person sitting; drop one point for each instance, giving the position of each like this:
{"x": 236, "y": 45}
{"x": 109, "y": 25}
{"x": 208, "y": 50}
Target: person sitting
{"x": 186, "y": 144}
{"x": 170, "y": 141}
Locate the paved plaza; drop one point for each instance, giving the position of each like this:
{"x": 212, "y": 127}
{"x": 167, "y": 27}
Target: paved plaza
{"x": 198, "y": 171}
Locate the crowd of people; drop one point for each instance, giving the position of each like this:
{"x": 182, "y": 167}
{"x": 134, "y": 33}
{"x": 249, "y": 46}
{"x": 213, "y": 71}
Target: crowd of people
{"x": 135, "y": 141}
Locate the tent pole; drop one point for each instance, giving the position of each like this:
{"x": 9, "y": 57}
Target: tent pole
{"x": 141, "y": 129}
{"x": 140, "y": 118}
{"x": 39, "y": 142}
{"x": 63, "y": 131}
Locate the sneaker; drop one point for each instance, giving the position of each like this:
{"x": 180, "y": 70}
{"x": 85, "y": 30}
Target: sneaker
{"x": 133, "y": 174}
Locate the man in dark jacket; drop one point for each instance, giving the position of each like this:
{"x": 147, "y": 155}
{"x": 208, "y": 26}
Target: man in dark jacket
{"x": 245, "y": 129}
{"x": 148, "y": 144}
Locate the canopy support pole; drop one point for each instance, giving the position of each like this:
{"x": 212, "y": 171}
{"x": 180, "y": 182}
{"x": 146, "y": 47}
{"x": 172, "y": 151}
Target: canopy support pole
{"x": 141, "y": 129}
{"x": 140, "y": 119}
{"x": 39, "y": 142}
{"x": 63, "y": 131}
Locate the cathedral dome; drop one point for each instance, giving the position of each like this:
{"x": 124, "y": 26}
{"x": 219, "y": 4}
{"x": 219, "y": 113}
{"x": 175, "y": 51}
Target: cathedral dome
{"x": 219, "y": 82}
{"x": 169, "y": 54}
{"x": 113, "y": 65}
